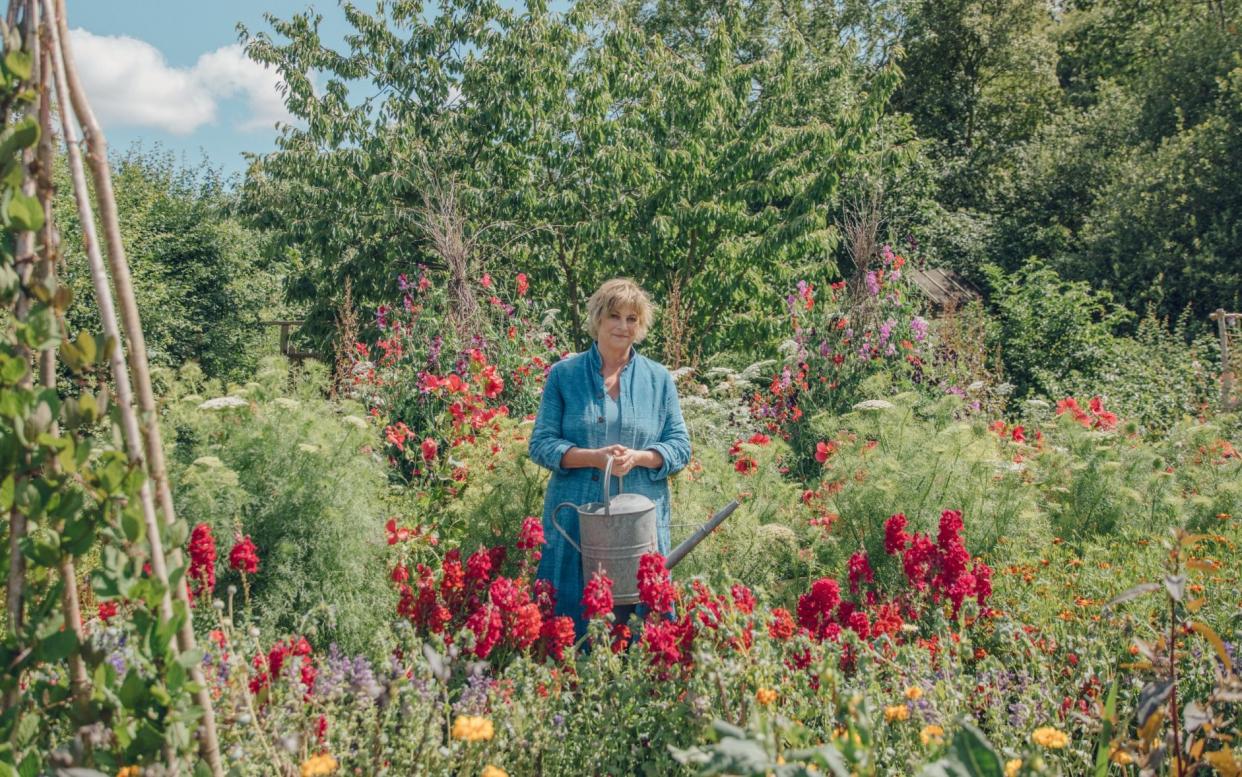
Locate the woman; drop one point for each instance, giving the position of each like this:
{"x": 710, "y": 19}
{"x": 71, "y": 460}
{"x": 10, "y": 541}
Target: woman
{"x": 608, "y": 401}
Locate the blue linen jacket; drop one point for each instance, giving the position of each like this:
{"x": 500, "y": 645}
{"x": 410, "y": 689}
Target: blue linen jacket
{"x": 571, "y": 414}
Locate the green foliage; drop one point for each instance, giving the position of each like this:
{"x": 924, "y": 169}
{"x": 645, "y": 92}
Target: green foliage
{"x": 680, "y": 147}
{"x": 298, "y": 476}
{"x": 200, "y": 279}
{"x": 1051, "y": 329}
{"x": 67, "y": 494}
{"x": 1153, "y": 378}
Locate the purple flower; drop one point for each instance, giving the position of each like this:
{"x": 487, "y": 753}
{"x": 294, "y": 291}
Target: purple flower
{"x": 873, "y": 284}
{"x": 919, "y": 327}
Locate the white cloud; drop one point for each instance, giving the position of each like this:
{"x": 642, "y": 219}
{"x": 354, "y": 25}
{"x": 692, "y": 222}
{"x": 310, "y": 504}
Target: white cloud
{"x": 128, "y": 82}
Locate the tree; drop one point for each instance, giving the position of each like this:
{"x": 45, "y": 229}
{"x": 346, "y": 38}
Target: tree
{"x": 199, "y": 276}
{"x": 683, "y": 144}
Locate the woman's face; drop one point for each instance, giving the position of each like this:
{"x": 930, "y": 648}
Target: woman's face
{"x": 619, "y": 328}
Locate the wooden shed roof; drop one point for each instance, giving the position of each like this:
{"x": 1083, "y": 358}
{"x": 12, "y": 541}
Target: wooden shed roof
{"x": 942, "y": 286}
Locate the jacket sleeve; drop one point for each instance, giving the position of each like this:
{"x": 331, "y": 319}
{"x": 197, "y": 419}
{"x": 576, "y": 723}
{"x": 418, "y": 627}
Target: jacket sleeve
{"x": 547, "y": 441}
{"x": 674, "y": 444}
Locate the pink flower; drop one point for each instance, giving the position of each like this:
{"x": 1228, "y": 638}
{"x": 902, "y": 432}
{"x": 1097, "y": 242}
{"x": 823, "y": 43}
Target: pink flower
{"x": 430, "y": 449}
{"x": 522, "y": 285}
{"x": 823, "y": 450}
{"x": 486, "y": 280}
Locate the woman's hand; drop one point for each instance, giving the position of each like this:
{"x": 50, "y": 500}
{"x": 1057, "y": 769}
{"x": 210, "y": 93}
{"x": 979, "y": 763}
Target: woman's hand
{"x": 627, "y": 459}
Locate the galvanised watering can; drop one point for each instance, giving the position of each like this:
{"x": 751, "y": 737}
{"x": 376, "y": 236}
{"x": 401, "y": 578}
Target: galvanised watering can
{"x": 617, "y": 532}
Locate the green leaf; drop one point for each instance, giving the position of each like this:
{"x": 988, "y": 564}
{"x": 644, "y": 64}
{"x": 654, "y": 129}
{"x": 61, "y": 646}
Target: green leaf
{"x": 6, "y": 493}
{"x": 973, "y": 750}
{"x": 22, "y": 134}
{"x": 58, "y": 646}
{"x": 191, "y": 658}
{"x": 20, "y": 63}
{"x": 133, "y": 690}
{"x": 132, "y": 525}
{"x": 24, "y": 212}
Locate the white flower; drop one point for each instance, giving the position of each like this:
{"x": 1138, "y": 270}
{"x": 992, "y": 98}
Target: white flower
{"x": 362, "y": 368}
{"x": 286, "y": 403}
{"x": 355, "y": 421}
{"x": 874, "y": 404}
{"x": 975, "y": 386}
{"x": 223, "y": 403}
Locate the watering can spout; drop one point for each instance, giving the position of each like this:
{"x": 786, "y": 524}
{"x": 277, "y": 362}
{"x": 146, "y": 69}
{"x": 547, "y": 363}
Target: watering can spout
{"x": 684, "y": 548}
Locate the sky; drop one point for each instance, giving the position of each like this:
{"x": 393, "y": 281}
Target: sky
{"x": 171, "y": 74}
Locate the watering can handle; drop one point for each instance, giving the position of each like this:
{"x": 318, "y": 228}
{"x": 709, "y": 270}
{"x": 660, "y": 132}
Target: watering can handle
{"x": 608, "y": 481}
{"x": 561, "y": 529}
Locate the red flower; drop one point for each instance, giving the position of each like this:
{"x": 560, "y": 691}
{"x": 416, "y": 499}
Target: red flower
{"x": 895, "y": 537}
{"x": 504, "y": 594}
{"x": 621, "y": 637}
{"x": 202, "y": 560}
{"x": 597, "y": 596}
{"x": 815, "y": 607}
{"x": 487, "y": 625}
{"x": 782, "y": 626}
{"x": 859, "y": 624}
{"x": 243, "y": 557}
{"x": 823, "y": 450}
{"x": 655, "y": 586}
{"x": 745, "y": 465}
{"x": 668, "y": 642}
{"x": 759, "y": 438}
{"x": 430, "y": 449}
{"x": 107, "y": 611}
{"x": 395, "y": 535}
{"x": 400, "y": 574}
{"x": 522, "y": 284}
{"x": 558, "y": 634}
{"x": 743, "y": 598}
{"x": 452, "y": 576}
{"x": 1018, "y": 434}
{"x": 478, "y": 568}
{"x": 531, "y": 537}
{"x": 486, "y": 280}
{"x": 526, "y": 623}
{"x": 859, "y": 568}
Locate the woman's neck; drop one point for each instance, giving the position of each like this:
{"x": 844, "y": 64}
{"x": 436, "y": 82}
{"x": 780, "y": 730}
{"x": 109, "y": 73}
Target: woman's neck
{"x": 612, "y": 359}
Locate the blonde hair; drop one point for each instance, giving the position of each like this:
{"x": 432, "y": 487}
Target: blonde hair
{"x": 618, "y": 294}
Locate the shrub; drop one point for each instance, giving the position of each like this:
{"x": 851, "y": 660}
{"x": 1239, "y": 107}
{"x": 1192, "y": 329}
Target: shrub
{"x": 298, "y": 475}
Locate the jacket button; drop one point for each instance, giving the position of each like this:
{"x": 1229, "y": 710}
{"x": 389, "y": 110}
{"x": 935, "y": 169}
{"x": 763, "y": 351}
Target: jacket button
{"x": 600, "y": 420}
{"x": 595, "y": 476}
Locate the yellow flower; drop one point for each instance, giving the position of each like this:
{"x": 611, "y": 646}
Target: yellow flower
{"x": 914, "y": 693}
{"x": 765, "y": 696}
{"x": 931, "y": 735}
{"x": 1047, "y": 736}
{"x": 319, "y": 765}
{"x": 493, "y": 771}
{"x": 129, "y": 771}
{"x": 469, "y": 728}
{"x": 1121, "y": 757}
{"x": 896, "y": 712}
{"x": 1012, "y": 767}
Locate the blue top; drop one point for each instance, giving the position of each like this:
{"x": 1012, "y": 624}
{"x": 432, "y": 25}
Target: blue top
{"x": 573, "y": 414}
